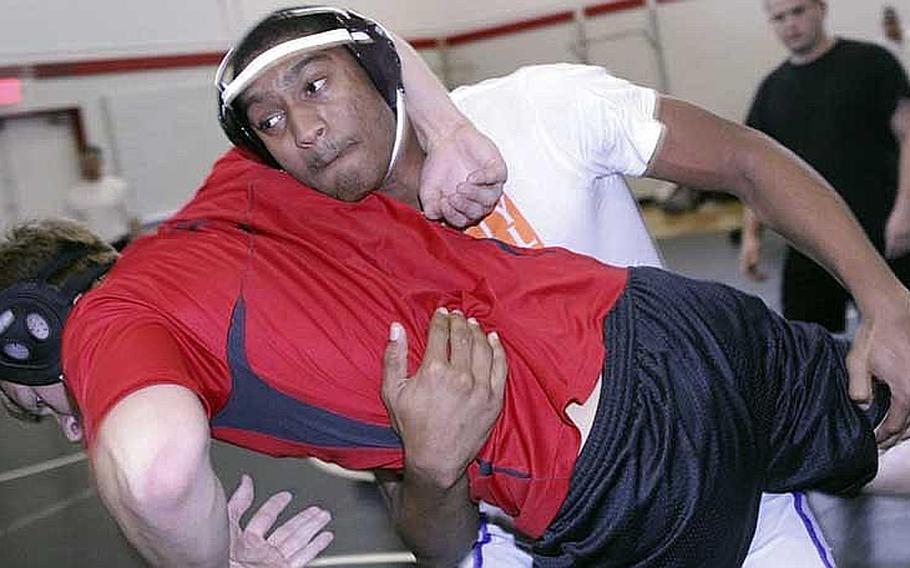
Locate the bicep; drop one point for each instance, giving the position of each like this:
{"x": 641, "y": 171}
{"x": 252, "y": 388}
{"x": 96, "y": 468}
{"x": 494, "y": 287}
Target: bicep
{"x": 698, "y": 149}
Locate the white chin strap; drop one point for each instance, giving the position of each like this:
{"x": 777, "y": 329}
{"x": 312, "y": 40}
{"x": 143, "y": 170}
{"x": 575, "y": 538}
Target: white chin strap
{"x": 401, "y": 127}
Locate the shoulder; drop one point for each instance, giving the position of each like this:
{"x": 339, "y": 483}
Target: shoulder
{"x": 865, "y": 53}
{"x": 856, "y": 47}
{"x": 557, "y": 78}
{"x": 772, "y": 78}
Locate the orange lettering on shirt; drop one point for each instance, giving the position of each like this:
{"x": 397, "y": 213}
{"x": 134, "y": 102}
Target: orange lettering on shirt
{"x": 506, "y": 224}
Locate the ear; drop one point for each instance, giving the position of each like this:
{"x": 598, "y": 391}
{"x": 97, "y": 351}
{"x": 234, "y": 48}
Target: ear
{"x": 70, "y": 426}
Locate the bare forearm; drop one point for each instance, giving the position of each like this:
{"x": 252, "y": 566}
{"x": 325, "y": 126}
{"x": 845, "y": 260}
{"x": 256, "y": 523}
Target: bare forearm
{"x": 152, "y": 468}
{"x": 429, "y": 107}
{"x": 191, "y": 531}
{"x": 706, "y": 152}
{"x": 798, "y": 203}
{"x": 437, "y": 524}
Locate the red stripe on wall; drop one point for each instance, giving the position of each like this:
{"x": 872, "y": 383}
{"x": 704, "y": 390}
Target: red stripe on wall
{"x": 606, "y": 8}
{"x": 424, "y": 43}
{"x": 159, "y": 62}
{"x": 119, "y": 65}
{"x": 510, "y": 28}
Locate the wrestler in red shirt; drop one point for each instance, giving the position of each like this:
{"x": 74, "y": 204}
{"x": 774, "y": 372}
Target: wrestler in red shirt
{"x": 272, "y": 306}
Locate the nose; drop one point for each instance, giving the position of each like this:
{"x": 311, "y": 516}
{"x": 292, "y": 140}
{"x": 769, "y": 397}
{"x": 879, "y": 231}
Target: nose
{"x": 307, "y": 125}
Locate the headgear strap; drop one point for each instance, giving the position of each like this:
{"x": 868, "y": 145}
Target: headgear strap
{"x": 32, "y": 315}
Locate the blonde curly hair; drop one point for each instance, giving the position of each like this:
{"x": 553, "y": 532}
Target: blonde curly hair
{"x": 28, "y": 247}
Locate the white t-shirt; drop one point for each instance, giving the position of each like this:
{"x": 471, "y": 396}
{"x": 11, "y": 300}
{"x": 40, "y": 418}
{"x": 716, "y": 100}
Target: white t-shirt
{"x": 101, "y": 205}
{"x": 568, "y": 133}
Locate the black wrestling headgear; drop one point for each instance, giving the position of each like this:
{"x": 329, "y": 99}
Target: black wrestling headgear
{"x": 323, "y": 27}
{"x": 32, "y": 314}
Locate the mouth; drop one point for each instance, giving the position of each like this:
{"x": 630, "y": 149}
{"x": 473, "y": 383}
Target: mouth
{"x": 321, "y": 162}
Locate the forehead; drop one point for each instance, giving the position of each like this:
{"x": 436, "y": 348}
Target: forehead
{"x": 287, "y": 72}
{"x": 781, "y": 6}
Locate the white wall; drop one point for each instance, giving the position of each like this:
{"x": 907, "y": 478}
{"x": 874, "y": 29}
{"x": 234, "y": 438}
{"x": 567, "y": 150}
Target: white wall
{"x": 129, "y": 116}
{"x": 716, "y": 53}
{"x": 719, "y": 50}
{"x": 57, "y": 30}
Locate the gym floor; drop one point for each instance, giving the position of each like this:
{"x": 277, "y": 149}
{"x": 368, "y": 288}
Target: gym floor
{"x": 51, "y": 517}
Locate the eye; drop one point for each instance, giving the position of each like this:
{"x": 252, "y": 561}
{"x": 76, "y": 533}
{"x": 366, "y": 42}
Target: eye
{"x": 313, "y": 87}
{"x": 269, "y": 122}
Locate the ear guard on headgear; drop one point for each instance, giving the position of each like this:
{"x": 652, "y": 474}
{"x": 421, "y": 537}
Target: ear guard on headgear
{"x": 32, "y": 314}
{"x": 367, "y": 40}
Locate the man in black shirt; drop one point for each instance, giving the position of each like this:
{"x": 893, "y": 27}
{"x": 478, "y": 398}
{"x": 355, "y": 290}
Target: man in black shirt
{"x": 841, "y": 105}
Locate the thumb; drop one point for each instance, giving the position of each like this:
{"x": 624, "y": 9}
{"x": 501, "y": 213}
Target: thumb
{"x": 858, "y": 366}
{"x": 430, "y": 199}
{"x": 395, "y": 360}
{"x": 241, "y": 500}
{"x": 492, "y": 172}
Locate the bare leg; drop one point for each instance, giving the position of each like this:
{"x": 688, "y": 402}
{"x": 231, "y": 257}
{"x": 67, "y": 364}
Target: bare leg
{"x": 893, "y": 477}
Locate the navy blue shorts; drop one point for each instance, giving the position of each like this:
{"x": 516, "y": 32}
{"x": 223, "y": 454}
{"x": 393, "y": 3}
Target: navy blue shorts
{"x": 708, "y": 400}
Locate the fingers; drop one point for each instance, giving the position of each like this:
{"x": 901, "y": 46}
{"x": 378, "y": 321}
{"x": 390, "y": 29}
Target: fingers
{"x": 430, "y": 200}
{"x": 860, "y": 388}
{"x": 453, "y": 216}
{"x": 860, "y": 377}
{"x": 309, "y": 552}
{"x": 484, "y": 195}
{"x": 395, "y": 359}
{"x": 433, "y": 213}
{"x": 302, "y": 526}
{"x": 892, "y": 429}
{"x": 266, "y": 516}
{"x": 499, "y": 366}
{"x": 298, "y": 539}
{"x": 437, "y": 339}
{"x": 494, "y": 172}
{"x": 241, "y": 499}
{"x": 475, "y": 201}
{"x": 482, "y": 354}
{"x": 460, "y": 343}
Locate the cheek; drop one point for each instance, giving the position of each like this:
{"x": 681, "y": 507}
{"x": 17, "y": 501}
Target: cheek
{"x": 377, "y": 122}
{"x": 278, "y": 148}
{"x": 288, "y": 156}
{"x": 56, "y": 398}
{"x": 19, "y": 394}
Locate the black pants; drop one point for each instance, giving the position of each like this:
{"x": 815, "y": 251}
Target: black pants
{"x": 708, "y": 400}
{"x": 809, "y": 293}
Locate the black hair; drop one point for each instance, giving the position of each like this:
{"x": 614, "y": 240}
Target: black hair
{"x": 279, "y": 28}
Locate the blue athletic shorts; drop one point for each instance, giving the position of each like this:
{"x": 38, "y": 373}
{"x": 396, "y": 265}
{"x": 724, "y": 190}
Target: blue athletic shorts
{"x": 708, "y": 399}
